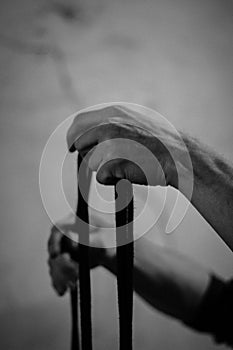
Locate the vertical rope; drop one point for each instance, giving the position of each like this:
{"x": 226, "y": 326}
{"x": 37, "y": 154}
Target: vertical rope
{"x": 84, "y": 178}
{"x": 125, "y": 246}
{"x": 66, "y": 246}
{"x": 74, "y": 319}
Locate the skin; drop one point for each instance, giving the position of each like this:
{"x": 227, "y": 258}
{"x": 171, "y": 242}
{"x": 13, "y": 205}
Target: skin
{"x": 212, "y": 186}
{"x": 156, "y": 270}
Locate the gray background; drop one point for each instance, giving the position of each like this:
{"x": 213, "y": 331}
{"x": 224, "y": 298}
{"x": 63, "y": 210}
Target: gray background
{"x": 171, "y": 55}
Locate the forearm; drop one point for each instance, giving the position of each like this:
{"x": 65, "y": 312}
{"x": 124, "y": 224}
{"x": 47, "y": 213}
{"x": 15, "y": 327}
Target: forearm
{"x": 168, "y": 281}
{"x": 212, "y": 188}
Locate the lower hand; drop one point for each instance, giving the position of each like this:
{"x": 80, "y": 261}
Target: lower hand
{"x": 63, "y": 264}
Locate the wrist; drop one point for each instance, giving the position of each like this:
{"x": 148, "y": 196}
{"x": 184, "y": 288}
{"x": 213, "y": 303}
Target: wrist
{"x": 180, "y": 168}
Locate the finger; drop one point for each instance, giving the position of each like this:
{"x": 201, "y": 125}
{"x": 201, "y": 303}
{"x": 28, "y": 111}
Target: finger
{"x": 69, "y": 268}
{"x": 60, "y": 289}
{"x": 110, "y": 172}
{"x": 54, "y": 242}
{"x": 58, "y": 283}
{"x": 57, "y": 234}
{"x": 86, "y": 141}
{"x": 63, "y": 269}
{"x": 83, "y": 122}
{"x": 63, "y": 272}
{"x": 105, "y": 151}
{"x": 88, "y": 120}
{"x": 71, "y": 285}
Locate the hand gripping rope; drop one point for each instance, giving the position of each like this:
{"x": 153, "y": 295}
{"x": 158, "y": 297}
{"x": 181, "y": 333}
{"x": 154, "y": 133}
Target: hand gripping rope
{"x": 124, "y": 240}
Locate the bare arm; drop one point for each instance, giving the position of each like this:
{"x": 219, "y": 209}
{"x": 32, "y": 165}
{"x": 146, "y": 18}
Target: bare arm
{"x": 213, "y": 185}
{"x": 212, "y": 188}
{"x": 168, "y": 281}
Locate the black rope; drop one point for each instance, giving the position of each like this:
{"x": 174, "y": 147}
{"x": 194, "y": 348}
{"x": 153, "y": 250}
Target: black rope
{"x": 84, "y": 179}
{"x": 67, "y": 246}
{"x": 125, "y": 247}
{"x": 125, "y": 254}
{"x": 74, "y": 319}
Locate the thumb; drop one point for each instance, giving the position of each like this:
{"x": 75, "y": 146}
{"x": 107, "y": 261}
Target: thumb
{"x": 114, "y": 170}
{"x": 110, "y": 172}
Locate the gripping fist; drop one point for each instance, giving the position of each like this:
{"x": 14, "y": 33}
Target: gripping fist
{"x": 120, "y": 143}
{"x": 64, "y": 253}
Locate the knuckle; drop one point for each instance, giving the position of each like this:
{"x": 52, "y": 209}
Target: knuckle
{"x": 102, "y": 175}
{"x": 115, "y": 109}
{"x": 109, "y": 110}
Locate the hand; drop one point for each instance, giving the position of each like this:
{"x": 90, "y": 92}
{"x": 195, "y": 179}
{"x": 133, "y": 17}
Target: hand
{"x": 63, "y": 267}
{"x": 139, "y": 156}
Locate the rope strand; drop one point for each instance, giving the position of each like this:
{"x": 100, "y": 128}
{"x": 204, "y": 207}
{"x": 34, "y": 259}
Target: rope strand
{"x": 74, "y": 319}
{"x": 84, "y": 265}
{"x": 125, "y": 254}
{"x": 66, "y": 246}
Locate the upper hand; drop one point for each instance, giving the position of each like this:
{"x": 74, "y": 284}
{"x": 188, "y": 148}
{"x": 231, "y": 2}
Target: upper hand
{"x": 122, "y": 144}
